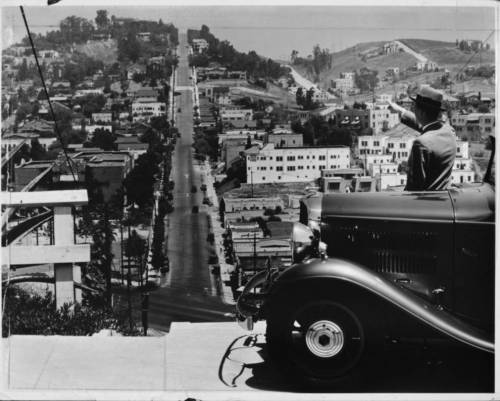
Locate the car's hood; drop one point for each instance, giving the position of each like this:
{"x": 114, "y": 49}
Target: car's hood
{"x": 436, "y": 205}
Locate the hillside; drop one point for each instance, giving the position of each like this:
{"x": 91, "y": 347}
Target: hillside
{"x": 107, "y": 51}
{"x": 445, "y": 54}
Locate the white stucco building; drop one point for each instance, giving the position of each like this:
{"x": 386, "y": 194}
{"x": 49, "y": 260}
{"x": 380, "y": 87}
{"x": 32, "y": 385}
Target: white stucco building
{"x": 144, "y": 111}
{"x": 300, "y": 164}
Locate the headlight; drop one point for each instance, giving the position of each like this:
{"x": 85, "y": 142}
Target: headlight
{"x": 306, "y": 243}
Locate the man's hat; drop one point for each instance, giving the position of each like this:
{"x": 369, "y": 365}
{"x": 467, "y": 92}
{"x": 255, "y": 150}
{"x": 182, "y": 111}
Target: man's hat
{"x": 428, "y": 97}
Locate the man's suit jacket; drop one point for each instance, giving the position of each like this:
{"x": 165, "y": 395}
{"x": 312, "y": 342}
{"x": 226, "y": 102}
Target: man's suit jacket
{"x": 432, "y": 156}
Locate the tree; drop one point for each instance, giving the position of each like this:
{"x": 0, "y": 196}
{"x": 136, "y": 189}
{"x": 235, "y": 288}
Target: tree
{"x": 107, "y": 84}
{"x": 96, "y": 223}
{"x": 103, "y": 139}
{"x": 309, "y": 103}
{"x": 299, "y": 97}
{"x": 102, "y": 20}
{"x": 139, "y": 182}
{"x": 129, "y": 48}
{"x": 135, "y": 246}
{"x": 75, "y": 29}
{"x": 37, "y": 152}
{"x": 22, "y": 73}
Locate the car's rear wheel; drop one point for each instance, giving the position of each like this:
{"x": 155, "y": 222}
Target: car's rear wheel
{"x": 320, "y": 340}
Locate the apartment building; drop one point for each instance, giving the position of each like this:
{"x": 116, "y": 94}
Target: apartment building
{"x": 299, "y": 164}
{"x": 483, "y": 123}
{"x": 372, "y": 145}
{"x": 144, "y": 111}
{"x": 228, "y": 115}
{"x": 382, "y": 119}
{"x": 285, "y": 139}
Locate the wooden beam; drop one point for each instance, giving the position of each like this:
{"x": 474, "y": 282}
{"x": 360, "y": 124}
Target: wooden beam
{"x": 31, "y": 255}
{"x": 45, "y": 198}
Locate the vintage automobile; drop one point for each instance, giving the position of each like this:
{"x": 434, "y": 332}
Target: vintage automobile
{"x": 373, "y": 268}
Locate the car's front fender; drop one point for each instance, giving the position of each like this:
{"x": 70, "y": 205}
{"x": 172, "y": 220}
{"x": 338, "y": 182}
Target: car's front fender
{"x": 348, "y": 272}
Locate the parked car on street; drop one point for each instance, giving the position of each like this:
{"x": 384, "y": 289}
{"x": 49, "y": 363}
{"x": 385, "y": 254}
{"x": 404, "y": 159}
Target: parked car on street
{"x": 193, "y": 189}
{"x": 372, "y": 267}
{"x": 195, "y": 209}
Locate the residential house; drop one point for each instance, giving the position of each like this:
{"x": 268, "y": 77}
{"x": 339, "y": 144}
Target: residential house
{"x": 102, "y": 117}
{"x": 131, "y": 144}
{"x": 144, "y": 36}
{"x": 199, "y": 45}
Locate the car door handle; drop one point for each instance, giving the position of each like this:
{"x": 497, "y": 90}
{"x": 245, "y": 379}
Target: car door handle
{"x": 469, "y": 252}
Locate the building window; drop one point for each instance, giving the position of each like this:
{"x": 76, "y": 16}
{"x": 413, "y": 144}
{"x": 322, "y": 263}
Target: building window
{"x": 290, "y": 158}
{"x": 376, "y": 143}
{"x": 321, "y": 157}
{"x": 364, "y": 143}
{"x": 402, "y": 145}
{"x": 279, "y": 158}
{"x": 300, "y": 157}
{"x": 290, "y": 168}
{"x": 279, "y": 168}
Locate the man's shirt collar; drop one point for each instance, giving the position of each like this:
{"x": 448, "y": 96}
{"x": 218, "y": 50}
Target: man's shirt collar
{"x": 425, "y": 127}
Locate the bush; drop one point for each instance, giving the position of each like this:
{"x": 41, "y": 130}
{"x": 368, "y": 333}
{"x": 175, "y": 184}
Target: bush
{"x": 30, "y": 313}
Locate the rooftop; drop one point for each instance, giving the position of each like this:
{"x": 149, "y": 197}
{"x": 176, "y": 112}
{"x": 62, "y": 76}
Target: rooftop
{"x": 272, "y": 190}
{"x": 401, "y": 130}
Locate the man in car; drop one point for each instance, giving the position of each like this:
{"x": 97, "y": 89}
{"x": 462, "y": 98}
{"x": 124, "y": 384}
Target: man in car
{"x": 433, "y": 153}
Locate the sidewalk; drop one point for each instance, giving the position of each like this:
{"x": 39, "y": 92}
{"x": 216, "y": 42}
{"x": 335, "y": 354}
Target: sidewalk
{"x": 179, "y": 361}
{"x": 225, "y": 268}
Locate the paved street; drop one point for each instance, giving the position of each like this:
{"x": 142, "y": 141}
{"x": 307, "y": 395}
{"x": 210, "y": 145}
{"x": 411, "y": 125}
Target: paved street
{"x": 187, "y": 292}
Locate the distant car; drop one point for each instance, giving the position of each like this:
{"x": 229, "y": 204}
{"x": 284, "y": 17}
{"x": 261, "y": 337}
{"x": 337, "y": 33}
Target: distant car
{"x": 203, "y": 187}
{"x": 178, "y": 110}
{"x": 207, "y": 201}
{"x": 193, "y": 189}
{"x": 195, "y": 209}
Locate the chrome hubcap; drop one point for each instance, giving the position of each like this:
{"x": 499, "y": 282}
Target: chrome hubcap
{"x": 324, "y": 339}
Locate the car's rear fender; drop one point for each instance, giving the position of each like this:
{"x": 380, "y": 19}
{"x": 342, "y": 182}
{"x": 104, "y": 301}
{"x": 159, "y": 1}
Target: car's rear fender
{"x": 338, "y": 272}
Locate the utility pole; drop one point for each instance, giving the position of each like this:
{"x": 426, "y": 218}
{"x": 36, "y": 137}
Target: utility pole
{"x": 251, "y": 181}
{"x": 254, "y": 253}
{"x": 129, "y": 280}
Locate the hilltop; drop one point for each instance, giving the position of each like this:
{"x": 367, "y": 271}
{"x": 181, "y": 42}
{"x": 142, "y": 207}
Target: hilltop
{"x": 370, "y": 55}
{"x": 447, "y": 54}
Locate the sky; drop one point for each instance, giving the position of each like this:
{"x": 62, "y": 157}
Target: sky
{"x": 274, "y": 31}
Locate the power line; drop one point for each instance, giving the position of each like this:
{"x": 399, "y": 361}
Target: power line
{"x": 58, "y": 133}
